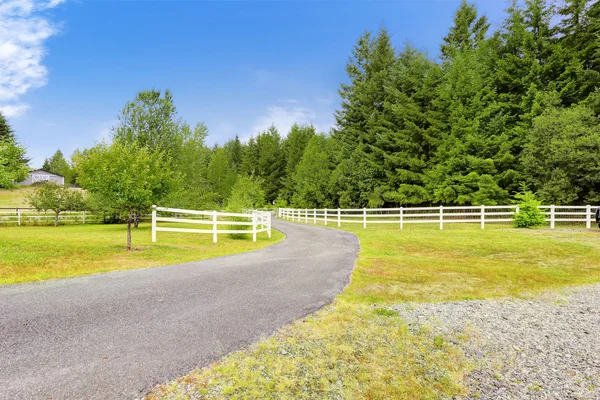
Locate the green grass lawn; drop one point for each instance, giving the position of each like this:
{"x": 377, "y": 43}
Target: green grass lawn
{"x": 357, "y": 348}
{"x": 38, "y": 253}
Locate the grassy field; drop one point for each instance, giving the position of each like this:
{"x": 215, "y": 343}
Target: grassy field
{"x": 14, "y": 198}
{"x": 359, "y": 348}
{"x": 38, "y": 253}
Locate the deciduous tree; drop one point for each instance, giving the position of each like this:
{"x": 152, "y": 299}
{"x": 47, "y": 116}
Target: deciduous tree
{"x": 126, "y": 177}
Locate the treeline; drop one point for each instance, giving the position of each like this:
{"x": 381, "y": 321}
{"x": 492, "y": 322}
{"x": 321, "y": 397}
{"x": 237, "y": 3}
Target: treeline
{"x": 496, "y": 110}
{"x": 500, "y": 108}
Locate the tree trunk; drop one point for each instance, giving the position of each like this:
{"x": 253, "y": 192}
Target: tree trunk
{"x": 56, "y": 218}
{"x": 136, "y": 220}
{"x": 129, "y": 233}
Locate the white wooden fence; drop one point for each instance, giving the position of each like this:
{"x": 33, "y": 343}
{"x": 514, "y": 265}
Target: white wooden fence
{"x": 259, "y": 221}
{"x": 439, "y": 215}
{"x": 29, "y": 216}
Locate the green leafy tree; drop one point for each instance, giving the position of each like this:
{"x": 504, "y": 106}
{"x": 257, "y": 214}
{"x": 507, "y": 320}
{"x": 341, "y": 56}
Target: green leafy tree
{"x": 192, "y": 162}
{"x": 57, "y": 198}
{"x": 13, "y": 165}
{"x": 221, "y": 175}
{"x": 126, "y": 178}
{"x": 561, "y": 156}
{"x": 247, "y": 194}
{"x": 313, "y": 173}
{"x": 150, "y": 120}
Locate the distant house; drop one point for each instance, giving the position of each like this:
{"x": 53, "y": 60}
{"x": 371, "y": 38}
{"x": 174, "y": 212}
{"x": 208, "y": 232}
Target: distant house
{"x": 39, "y": 175}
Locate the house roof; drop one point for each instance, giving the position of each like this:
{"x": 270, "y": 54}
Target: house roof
{"x": 48, "y": 172}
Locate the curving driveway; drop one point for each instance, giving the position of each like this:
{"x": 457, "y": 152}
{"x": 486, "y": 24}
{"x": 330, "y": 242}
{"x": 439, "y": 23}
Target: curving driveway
{"x": 114, "y": 335}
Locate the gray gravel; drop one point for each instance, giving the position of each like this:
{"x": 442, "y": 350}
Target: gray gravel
{"x": 542, "y": 348}
{"x": 115, "y": 335}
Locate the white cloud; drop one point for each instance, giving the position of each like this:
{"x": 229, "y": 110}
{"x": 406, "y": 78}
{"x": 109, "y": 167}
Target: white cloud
{"x": 326, "y": 100}
{"x": 13, "y": 110}
{"x": 23, "y": 33}
{"x": 284, "y": 117}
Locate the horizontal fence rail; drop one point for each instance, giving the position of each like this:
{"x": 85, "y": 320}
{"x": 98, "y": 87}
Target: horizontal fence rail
{"x": 255, "y": 221}
{"x": 30, "y": 216}
{"x": 434, "y": 215}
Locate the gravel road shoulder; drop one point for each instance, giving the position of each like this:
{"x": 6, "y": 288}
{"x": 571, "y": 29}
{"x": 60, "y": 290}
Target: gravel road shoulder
{"x": 542, "y": 348}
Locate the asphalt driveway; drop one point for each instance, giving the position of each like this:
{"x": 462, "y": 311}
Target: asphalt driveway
{"x": 114, "y": 335}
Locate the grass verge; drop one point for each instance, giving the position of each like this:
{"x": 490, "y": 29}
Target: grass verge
{"x": 37, "y": 253}
{"x": 359, "y": 348}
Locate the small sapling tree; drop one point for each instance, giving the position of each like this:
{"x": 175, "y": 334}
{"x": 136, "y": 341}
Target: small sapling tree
{"x": 125, "y": 177}
{"x": 529, "y": 214}
{"x": 57, "y": 198}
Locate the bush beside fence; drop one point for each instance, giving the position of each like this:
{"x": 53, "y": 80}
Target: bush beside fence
{"x": 434, "y": 215}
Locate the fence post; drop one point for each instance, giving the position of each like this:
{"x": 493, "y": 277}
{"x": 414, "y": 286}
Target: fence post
{"x": 401, "y": 218}
{"x": 83, "y": 219}
{"x": 552, "y": 216}
{"x": 306, "y": 215}
{"x": 339, "y": 218}
{"x": 254, "y": 226}
{"x": 364, "y": 218}
{"x": 215, "y": 226}
{"x": 482, "y": 216}
{"x": 315, "y": 216}
{"x": 269, "y": 225}
{"x": 325, "y": 212}
{"x": 18, "y": 217}
{"x": 588, "y": 216}
{"x": 153, "y": 224}
{"x": 441, "y": 217}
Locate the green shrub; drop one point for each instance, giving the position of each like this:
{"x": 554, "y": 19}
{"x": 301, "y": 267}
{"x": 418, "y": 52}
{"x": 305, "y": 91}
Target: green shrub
{"x": 529, "y": 214}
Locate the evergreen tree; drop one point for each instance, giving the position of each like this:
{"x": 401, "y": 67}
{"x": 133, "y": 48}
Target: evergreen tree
{"x": 362, "y": 118}
{"x": 403, "y": 140}
{"x": 270, "y": 162}
{"x": 220, "y": 175}
{"x": 234, "y": 149}
{"x": 249, "y": 158}
{"x": 293, "y": 148}
{"x": 6, "y": 131}
{"x": 468, "y": 32}
{"x": 57, "y": 164}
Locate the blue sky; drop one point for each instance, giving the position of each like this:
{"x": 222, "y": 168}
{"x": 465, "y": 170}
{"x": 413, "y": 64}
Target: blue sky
{"x": 70, "y": 66}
